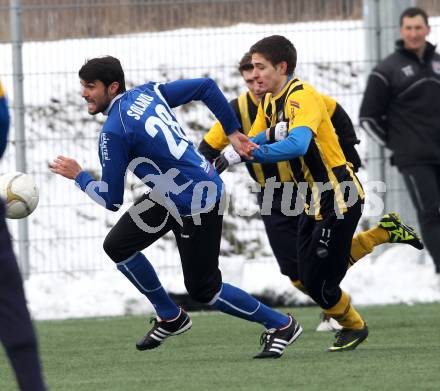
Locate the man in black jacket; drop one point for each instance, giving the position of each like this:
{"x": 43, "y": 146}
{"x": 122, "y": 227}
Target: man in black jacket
{"x": 400, "y": 109}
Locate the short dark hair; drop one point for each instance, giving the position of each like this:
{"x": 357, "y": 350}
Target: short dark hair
{"x": 245, "y": 63}
{"x": 276, "y": 49}
{"x": 414, "y": 11}
{"x": 107, "y": 69}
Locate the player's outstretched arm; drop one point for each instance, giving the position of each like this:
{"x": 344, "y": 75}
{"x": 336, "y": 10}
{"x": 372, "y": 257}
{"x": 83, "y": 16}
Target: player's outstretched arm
{"x": 295, "y": 145}
{"x": 183, "y": 91}
{"x": 66, "y": 167}
{"x": 242, "y": 144}
{"x": 109, "y": 191}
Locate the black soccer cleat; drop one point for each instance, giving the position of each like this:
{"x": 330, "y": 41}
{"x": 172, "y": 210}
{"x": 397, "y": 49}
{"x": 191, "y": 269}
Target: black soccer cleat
{"x": 400, "y": 232}
{"x": 275, "y": 341}
{"x": 349, "y": 339}
{"x": 163, "y": 329}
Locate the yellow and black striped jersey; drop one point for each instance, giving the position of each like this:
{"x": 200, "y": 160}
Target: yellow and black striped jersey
{"x": 2, "y": 91}
{"x": 245, "y": 107}
{"x": 323, "y": 168}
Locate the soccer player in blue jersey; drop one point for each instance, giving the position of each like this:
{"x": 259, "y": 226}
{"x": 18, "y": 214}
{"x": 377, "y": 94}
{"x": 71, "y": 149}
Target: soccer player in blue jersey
{"x": 142, "y": 135}
{"x": 16, "y": 330}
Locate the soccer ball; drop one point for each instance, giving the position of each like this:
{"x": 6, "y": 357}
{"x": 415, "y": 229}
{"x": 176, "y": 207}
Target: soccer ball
{"x": 20, "y": 194}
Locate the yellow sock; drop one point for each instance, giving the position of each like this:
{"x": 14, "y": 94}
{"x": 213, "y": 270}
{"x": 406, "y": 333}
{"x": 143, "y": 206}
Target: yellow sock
{"x": 298, "y": 285}
{"x": 364, "y": 243}
{"x": 345, "y": 314}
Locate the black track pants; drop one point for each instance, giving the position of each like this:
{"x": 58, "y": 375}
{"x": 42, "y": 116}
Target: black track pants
{"x": 16, "y": 330}
{"x": 423, "y": 183}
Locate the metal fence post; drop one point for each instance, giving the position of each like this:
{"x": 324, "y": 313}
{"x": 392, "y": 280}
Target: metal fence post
{"x": 19, "y": 127}
{"x": 381, "y": 18}
{"x": 375, "y": 153}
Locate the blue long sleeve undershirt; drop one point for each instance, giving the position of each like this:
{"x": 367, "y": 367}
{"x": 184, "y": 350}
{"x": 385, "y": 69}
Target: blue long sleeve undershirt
{"x": 260, "y": 138}
{"x": 296, "y": 144}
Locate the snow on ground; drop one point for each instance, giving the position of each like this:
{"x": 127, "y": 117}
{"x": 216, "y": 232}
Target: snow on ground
{"x": 399, "y": 275}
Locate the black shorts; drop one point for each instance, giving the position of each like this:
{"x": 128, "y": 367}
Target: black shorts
{"x": 198, "y": 244}
{"x": 323, "y": 252}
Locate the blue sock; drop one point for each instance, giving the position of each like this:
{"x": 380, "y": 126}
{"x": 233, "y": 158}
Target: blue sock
{"x": 236, "y": 302}
{"x": 142, "y": 275}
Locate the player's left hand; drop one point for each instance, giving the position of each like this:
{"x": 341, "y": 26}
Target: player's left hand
{"x": 66, "y": 167}
{"x": 242, "y": 144}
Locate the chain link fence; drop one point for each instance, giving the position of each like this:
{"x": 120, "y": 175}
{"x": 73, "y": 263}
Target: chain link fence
{"x": 158, "y": 41}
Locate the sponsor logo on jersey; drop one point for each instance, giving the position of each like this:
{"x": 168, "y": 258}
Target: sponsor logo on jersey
{"x": 103, "y": 145}
{"x": 292, "y": 113}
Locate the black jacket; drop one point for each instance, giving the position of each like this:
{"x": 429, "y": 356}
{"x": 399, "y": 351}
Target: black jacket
{"x": 401, "y": 106}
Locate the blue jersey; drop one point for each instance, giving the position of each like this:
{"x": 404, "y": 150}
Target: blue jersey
{"x": 142, "y": 135}
{"x": 4, "y": 121}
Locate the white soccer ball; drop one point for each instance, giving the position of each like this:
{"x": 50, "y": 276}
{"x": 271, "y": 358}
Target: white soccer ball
{"x": 20, "y": 194}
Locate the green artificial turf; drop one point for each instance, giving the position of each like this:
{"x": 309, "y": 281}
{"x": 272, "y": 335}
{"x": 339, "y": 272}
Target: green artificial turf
{"x": 402, "y": 353}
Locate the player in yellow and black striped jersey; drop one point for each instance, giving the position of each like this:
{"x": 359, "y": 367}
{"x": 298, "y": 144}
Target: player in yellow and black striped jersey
{"x": 282, "y": 229}
{"x": 246, "y": 106}
{"x": 324, "y": 161}
{"x": 333, "y": 193}
{"x": 316, "y": 158}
